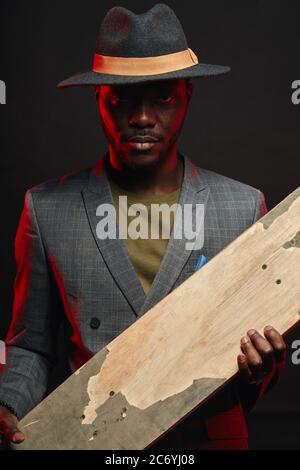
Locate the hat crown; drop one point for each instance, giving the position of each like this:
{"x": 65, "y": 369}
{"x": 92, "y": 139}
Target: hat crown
{"x": 154, "y": 33}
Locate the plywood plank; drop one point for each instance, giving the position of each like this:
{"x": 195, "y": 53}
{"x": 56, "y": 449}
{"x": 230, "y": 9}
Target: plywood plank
{"x": 162, "y": 367}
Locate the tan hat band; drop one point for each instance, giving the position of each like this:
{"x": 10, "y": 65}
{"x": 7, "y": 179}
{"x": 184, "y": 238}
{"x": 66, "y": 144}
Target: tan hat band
{"x": 144, "y": 65}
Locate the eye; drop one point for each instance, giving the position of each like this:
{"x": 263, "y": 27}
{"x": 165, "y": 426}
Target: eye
{"x": 116, "y": 100}
{"x": 166, "y": 98}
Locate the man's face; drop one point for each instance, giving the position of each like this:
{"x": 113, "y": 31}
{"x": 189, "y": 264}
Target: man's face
{"x": 143, "y": 121}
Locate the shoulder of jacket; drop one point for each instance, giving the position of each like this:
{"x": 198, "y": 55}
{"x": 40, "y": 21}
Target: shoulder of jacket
{"x": 221, "y": 184}
{"x": 72, "y": 182}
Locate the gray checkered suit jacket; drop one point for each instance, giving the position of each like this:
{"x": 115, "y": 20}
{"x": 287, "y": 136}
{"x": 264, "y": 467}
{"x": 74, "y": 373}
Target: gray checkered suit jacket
{"x": 66, "y": 274}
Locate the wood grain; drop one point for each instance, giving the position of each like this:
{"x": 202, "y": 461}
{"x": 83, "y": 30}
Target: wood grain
{"x": 181, "y": 351}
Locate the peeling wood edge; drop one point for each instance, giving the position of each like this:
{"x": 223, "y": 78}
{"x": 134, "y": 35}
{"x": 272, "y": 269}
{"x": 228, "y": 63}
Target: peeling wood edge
{"x": 294, "y": 242}
{"x": 280, "y": 209}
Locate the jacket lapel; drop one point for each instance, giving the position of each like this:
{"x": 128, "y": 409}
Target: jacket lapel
{"x": 113, "y": 251}
{"x": 194, "y": 191}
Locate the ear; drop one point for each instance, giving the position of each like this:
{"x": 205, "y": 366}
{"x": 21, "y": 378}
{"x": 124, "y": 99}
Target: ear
{"x": 189, "y": 91}
{"x": 97, "y": 92}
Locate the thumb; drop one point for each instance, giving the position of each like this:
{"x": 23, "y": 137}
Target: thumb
{"x": 9, "y": 427}
{"x": 15, "y": 435}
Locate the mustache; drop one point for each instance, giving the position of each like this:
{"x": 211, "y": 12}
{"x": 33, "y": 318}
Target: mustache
{"x": 141, "y": 133}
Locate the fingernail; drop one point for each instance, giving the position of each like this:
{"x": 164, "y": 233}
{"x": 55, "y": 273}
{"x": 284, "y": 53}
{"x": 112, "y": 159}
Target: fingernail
{"x": 268, "y": 327}
{"x": 251, "y": 332}
{"x": 244, "y": 340}
{"x": 18, "y": 437}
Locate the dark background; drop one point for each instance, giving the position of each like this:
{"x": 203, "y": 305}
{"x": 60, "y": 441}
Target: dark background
{"x": 242, "y": 125}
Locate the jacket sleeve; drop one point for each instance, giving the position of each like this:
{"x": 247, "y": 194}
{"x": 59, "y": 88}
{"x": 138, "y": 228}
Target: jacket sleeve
{"x": 250, "y": 394}
{"x": 30, "y": 343}
{"x": 260, "y": 207}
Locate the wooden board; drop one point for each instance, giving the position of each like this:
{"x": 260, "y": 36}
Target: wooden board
{"x": 162, "y": 367}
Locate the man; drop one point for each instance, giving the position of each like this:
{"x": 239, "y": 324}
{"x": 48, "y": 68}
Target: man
{"x": 99, "y": 286}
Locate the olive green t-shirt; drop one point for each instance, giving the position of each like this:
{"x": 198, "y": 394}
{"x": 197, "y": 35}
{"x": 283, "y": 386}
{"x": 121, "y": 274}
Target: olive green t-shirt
{"x": 145, "y": 252}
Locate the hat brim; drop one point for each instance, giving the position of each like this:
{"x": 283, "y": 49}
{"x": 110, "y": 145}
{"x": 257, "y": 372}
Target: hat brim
{"x": 93, "y": 78}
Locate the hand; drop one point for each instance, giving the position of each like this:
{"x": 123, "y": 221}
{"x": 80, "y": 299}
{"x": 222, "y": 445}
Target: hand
{"x": 9, "y": 427}
{"x": 261, "y": 355}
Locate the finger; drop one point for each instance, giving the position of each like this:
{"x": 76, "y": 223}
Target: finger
{"x": 277, "y": 342}
{"x": 253, "y": 358}
{"x": 15, "y": 435}
{"x": 264, "y": 348}
{"x": 12, "y": 432}
{"x": 244, "y": 369}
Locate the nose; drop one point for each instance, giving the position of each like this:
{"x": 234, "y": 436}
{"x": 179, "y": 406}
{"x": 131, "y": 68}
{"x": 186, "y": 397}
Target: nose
{"x": 143, "y": 115}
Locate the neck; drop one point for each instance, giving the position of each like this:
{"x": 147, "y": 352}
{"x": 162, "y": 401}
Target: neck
{"x": 163, "y": 178}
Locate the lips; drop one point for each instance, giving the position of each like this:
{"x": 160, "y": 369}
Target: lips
{"x": 142, "y": 143}
{"x": 143, "y": 139}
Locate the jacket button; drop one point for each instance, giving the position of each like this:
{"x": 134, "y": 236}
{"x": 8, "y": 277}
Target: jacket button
{"x": 95, "y": 323}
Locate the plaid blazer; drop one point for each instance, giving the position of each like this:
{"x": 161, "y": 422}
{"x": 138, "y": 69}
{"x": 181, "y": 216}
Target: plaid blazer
{"x": 65, "y": 273}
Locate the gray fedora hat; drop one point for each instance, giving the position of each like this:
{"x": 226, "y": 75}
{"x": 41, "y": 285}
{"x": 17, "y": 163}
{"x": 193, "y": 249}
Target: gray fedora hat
{"x": 135, "y": 48}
